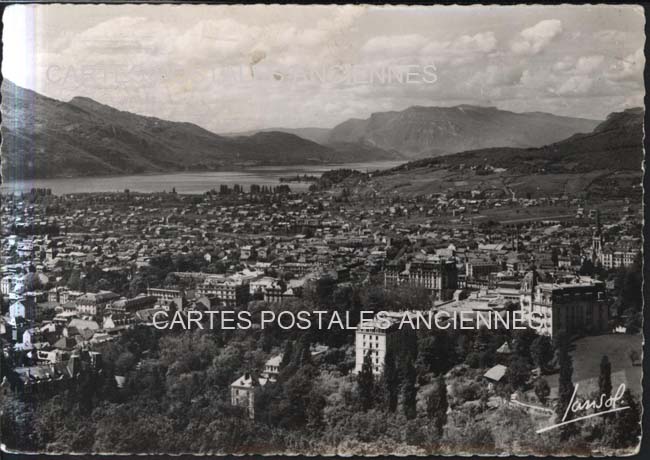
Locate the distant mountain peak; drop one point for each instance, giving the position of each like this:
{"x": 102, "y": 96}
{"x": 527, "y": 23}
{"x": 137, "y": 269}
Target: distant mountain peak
{"x": 314, "y": 134}
{"x": 420, "y": 130}
{"x": 615, "y": 144}
{"x": 607, "y": 161}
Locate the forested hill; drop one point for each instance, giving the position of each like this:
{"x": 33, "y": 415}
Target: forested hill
{"x": 615, "y": 144}
{"x": 45, "y": 138}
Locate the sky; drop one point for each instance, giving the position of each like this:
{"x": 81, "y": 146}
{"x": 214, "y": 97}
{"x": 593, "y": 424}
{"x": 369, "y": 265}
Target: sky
{"x": 238, "y": 68}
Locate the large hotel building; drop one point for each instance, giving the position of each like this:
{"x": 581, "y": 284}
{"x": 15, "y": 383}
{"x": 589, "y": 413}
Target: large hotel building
{"x": 439, "y": 276}
{"x": 573, "y": 304}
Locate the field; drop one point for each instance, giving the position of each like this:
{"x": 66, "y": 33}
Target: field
{"x": 424, "y": 180}
{"x": 586, "y": 363}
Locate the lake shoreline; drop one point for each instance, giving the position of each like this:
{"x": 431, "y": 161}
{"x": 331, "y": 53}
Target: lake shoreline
{"x": 189, "y": 182}
{"x": 203, "y": 171}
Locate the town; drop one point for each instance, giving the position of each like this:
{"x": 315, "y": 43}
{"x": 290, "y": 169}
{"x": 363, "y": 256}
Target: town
{"x": 85, "y": 277}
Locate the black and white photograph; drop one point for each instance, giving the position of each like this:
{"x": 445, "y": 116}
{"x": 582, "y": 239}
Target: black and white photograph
{"x": 333, "y": 230}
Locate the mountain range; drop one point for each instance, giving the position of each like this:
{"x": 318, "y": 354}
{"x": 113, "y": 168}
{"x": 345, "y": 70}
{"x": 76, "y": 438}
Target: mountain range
{"x": 615, "y": 144}
{"x": 318, "y": 135}
{"x": 45, "y": 138}
{"x": 605, "y": 162}
{"x": 431, "y": 131}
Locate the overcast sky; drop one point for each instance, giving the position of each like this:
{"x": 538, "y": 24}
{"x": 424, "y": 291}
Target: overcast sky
{"x": 233, "y": 68}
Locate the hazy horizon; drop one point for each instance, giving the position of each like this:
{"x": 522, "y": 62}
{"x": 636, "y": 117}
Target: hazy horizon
{"x": 270, "y": 128}
{"x": 238, "y": 68}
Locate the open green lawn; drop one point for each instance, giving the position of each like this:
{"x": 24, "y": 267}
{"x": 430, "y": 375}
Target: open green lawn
{"x": 586, "y": 363}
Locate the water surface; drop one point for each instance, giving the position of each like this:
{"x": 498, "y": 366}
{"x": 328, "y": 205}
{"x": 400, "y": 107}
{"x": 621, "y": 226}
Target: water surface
{"x": 189, "y": 182}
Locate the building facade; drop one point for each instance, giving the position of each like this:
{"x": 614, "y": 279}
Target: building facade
{"x": 372, "y": 337}
{"x": 230, "y": 293}
{"x": 22, "y": 308}
{"x": 141, "y": 302}
{"x": 612, "y": 258}
{"x": 164, "y": 294}
{"x": 242, "y": 392}
{"x": 438, "y": 276}
{"x": 95, "y": 303}
{"x": 573, "y": 304}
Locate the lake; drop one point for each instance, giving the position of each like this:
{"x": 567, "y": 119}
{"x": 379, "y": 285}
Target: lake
{"x": 189, "y": 182}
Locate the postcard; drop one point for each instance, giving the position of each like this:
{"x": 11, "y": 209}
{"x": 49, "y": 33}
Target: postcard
{"x": 334, "y": 230}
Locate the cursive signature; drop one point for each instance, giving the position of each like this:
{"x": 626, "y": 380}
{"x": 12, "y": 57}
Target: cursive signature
{"x": 603, "y": 405}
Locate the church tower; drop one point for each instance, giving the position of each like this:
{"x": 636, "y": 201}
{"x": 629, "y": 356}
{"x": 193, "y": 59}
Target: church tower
{"x": 533, "y": 282}
{"x": 527, "y": 290}
{"x": 597, "y": 240}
